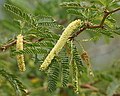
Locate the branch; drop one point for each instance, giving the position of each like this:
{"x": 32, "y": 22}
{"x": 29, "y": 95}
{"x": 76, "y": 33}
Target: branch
{"x": 89, "y": 25}
{"x": 5, "y": 47}
{"x": 89, "y": 86}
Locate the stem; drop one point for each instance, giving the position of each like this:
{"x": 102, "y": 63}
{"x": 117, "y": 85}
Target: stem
{"x": 89, "y": 26}
{"x": 4, "y": 47}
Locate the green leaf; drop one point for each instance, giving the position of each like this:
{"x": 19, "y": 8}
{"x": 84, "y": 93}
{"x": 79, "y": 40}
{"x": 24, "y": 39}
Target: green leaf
{"x": 106, "y": 32}
{"x": 31, "y": 20}
{"x": 18, "y": 12}
{"x": 70, "y": 4}
{"x": 77, "y": 59}
{"x": 43, "y": 33}
{"x": 65, "y": 68}
{"x": 43, "y": 44}
{"x": 53, "y": 75}
{"x": 116, "y": 30}
{"x": 76, "y": 67}
{"x": 44, "y": 18}
{"x": 32, "y": 50}
{"x": 16, "y": 84}
{"x": 49, "y": 24}
{"x": 111, "y": 19}
{"x": 76, "y": 12}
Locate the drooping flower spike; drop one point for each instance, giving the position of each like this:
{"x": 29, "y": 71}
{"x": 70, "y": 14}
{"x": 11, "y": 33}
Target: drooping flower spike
{"x": 20, "y": 57}
{"x": 60, "y": 43}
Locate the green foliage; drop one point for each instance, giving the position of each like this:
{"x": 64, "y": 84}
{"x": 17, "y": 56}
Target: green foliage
{"x": 44, "y": 18}
{"x": 49, "y": 24}
{"x": 42, "y": 44}
{"x": 77, "y": 58}
{"x": 32, "y": 50}
{"x": 39, "y": 25}
{"x": 40, "y": 29}
{"x": 18, "y": 12}
{"x": 41, "y": 33}
{"x": 70, "y": 4}
{"x": 53, "y": 75}
{"x": 91, "y": 12}
{"x": 77, "y": 67}
{"x": 65, "y": 68}
{"x": 16, "y": 84}
{"x": 34, "y": 22}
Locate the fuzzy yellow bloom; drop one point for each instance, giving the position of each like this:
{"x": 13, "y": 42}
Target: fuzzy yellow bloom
{"x": 60, "y": 43}
{"x": 20, "y": 58}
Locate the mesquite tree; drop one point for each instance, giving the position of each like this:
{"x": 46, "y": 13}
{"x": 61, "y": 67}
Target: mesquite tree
{"x": 58, "y": 56}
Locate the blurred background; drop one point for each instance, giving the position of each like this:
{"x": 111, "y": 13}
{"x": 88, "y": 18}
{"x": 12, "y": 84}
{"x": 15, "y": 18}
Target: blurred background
{"x": 104, "y": 53}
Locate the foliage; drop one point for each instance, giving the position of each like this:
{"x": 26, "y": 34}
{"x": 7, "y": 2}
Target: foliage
{"x": 17, "y": 85}
{"x": 67, "y": 71}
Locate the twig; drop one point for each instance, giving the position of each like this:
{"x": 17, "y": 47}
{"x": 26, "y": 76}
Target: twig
{"x": 87, "y": 86}
{"x": 89, "y": 25}
{"x": 4, "y": 47}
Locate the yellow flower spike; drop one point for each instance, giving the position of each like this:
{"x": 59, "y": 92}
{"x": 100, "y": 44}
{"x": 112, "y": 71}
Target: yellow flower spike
{"x": 60, "y": 43}
{"x": 20, "y": 58}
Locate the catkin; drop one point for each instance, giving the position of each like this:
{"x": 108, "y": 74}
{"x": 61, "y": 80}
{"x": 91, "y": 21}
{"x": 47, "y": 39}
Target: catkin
{"x": 60, "y": 43}
{"x": 20, "y": 57}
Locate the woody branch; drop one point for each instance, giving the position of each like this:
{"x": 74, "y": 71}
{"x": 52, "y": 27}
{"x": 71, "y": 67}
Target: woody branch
{"x": 89, "y": 25}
